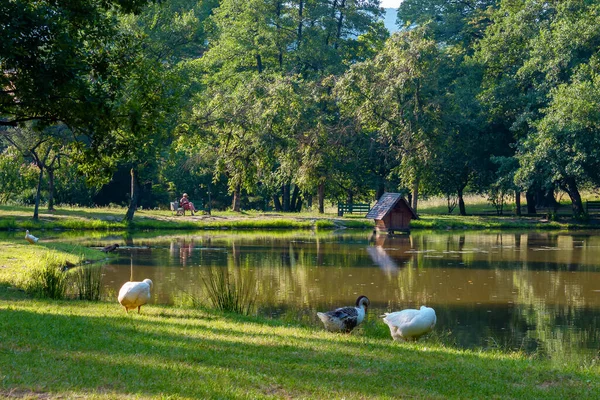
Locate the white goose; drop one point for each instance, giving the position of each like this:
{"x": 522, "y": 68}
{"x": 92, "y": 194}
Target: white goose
{"x": 410, "y": 324}
{"x": 135, "y": 294}
{"x": 30, "y": 238}
{"x": 345, "y": 319}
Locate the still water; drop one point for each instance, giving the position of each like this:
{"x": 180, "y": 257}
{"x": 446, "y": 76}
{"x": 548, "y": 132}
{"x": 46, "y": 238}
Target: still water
{"x": 535, "y": 292}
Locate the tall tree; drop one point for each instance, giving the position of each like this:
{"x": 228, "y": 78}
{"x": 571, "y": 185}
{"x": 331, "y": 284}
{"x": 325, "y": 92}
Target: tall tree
{"x": 532, "y": 48}
{"x": 294, "y": 45}
{"x": 61, "y": 61}
{"x": 397, "y": 95}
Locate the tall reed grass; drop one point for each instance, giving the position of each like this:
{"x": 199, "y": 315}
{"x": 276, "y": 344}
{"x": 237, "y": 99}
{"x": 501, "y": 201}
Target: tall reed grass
{"x": 87, "y": 282}
{"x": 226, "y": 293}
{"x": 48, "y": 280}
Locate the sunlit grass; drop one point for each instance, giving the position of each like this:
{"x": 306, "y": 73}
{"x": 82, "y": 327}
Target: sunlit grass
{"x": 98, "y": 351}
{"x": 81, "y": 349}
{"x": 17, "y": 261}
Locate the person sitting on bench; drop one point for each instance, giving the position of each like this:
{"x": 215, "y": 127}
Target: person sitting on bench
{"x": 187, "y": 204}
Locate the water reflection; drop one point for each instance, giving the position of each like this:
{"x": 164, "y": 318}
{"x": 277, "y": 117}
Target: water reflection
{"x": 390, "y": 252}
{"x": 538, "y": 292}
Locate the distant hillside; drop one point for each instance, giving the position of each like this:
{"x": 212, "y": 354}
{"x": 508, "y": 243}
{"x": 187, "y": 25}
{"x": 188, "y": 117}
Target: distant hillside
{"x": 389, "y": 19}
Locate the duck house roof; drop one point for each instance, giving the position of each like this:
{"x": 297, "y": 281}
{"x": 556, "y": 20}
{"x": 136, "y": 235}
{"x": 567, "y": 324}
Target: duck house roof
{"x": 386, "y": 203}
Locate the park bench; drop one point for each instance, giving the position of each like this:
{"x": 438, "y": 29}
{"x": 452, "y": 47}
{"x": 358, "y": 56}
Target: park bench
{"x": 351, "y": 208}
{"x": 592, "y": 206}
{"x": 176, "y": 208}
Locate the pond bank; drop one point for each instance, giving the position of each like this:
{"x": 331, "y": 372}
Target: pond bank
{"x": 57, "y": 349}
{"x": 111, "y": 219}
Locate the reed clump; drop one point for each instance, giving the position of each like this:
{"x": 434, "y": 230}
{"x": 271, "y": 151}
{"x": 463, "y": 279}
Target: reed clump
{"x": 47, "y": 280}
{"x": 87, "y": 282}
{"x": 226, "y": 293}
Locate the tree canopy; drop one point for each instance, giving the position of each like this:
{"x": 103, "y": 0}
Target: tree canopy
{"x": 272, "y": 104}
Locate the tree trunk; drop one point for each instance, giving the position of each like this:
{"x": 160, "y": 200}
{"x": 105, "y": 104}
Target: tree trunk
{"x": 380, "y": 190}
{"x": 321, "y": 194}
{"x": 50, "y": 189}
{"x": 208, "y": 207}
{"x": 286, "y": 197}
{"x": 298, "y": 205}
{"x": 545, "y": 199}
{"x": 278, "y": 26}
{"x": 293, "y": 202}
{"x": 135, "y": 190}
{"x": 415, "y": 194}
{"x": 259, "y": 65}
{"x": 530, "y": 198}
{"x": 570, "y": 186}
{"x": 300, "y": 23}
{"x": 518, "y": 202}
{"x": 235, "y": 205}
{"x": 461, "y": 203}
{"x": 340, "y": 24}
{"x": 349, "y": 197}
{"x": 38, "y": 193}
{"x": 277, "y": 203}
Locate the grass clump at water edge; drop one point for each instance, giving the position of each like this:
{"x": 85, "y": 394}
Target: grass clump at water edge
{"x": 228, "y": 293}
{"x": 47, "y": 280}
{"x": 87, "y": 282}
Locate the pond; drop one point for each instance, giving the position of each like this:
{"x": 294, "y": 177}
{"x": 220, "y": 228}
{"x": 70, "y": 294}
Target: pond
{"x": 535, "y": 292}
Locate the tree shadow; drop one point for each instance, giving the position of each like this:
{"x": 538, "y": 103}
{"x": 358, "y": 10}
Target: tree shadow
{"x": 96, "y": 350}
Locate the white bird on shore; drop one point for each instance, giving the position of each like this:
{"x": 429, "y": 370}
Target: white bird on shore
{"x": 30, "y": 238}
{"x": 345, "y": 319}
{"x": 135, "y": 294}
{"x": 410, "y": 324}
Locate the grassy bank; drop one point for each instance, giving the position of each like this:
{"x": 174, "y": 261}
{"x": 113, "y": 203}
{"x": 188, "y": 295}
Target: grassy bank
{"x": 110, "y": 219}
{"x": 80, "y": 349}
{"x": 95, "y": 350}
{"x": 18, "y": 260}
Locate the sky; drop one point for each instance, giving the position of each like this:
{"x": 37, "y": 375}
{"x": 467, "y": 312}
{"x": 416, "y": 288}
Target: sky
{"x": 390, "y": 3}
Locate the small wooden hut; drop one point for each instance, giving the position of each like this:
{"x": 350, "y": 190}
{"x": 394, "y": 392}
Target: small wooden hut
{"x": 392, "y": 213}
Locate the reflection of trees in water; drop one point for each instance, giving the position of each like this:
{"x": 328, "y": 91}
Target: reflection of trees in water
{"x": 548, "y": 278}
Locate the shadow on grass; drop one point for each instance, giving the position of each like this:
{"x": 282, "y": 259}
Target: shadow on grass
{"x": 96, "y": 349}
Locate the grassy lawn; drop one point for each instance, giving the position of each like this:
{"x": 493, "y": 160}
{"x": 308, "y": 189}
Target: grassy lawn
{"x": 80, "y": 349}
{"x": 95, "y": 350}
{"x": 77, "y": 218}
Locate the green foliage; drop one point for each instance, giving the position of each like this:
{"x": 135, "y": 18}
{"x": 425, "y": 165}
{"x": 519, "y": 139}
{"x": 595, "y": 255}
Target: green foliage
{"x": 16, "y": 176}
{"x": 62, "y": 61}
{"x": 47, "y": 280}
{"x": 395, "y": 96}
{"x": 454, "y": 22}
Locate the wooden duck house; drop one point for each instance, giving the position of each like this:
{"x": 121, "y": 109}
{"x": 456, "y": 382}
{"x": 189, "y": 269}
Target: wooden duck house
{"x": 392, "y": 213}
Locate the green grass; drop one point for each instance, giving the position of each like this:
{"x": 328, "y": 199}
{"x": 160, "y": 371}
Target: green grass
{"x": 18, "y": 261}
{"x": 94, "y": 350}
{"x": 110, "y": 219}
{"x": 80, "y": 349}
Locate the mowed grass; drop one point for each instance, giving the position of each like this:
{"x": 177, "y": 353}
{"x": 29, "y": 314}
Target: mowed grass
{"x": 110, "y": 219}
{"x": 95, "y": 350}
{"x": 80, "y": 349}
{"x": 18, "y": 259}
